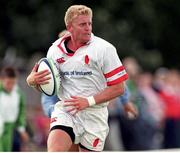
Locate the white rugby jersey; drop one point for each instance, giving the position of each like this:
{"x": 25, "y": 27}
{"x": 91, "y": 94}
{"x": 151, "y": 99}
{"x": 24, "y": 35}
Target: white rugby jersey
{"x": 89, "y": 70}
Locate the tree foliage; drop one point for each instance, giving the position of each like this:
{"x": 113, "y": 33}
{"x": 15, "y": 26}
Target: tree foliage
{"x": 147, "y": 30}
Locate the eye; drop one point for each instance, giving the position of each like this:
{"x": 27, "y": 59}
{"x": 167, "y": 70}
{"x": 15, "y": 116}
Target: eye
{"x": 82, "y": 24}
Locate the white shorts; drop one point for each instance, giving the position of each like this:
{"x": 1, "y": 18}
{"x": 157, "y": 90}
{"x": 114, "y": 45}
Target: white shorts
{"x": 90, "y": 126}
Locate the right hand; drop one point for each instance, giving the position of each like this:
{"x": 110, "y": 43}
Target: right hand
{"x": 38, "y": 78}
{"x": 25, "y": 140}
{"x": 130, "y": 110}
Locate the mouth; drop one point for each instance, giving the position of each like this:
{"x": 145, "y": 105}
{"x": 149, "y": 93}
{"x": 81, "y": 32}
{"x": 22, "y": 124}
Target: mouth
{"x": 87, "y": 34}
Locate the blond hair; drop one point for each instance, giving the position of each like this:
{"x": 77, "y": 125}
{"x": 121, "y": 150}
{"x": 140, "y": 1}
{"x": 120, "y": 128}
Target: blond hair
{"x": 76, "y": 10}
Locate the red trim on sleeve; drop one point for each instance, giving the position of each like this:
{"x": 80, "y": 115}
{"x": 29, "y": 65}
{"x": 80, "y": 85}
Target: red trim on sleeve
{"x": 113, "y": 72}
{"x": 118, "y": 80}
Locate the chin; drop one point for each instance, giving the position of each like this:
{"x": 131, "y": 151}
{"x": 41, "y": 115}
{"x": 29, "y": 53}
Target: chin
{"x": 86, "y": 39}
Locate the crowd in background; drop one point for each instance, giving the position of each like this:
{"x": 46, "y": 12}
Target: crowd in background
{"x": 158, "y": 101}
{"x": 156, "y": 96}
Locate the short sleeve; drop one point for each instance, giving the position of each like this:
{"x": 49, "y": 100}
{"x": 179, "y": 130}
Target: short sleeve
{"x": 50, "y": 52}
{"x": 113, "y": 69}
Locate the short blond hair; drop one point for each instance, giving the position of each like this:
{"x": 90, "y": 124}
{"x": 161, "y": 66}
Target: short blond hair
{"x": 76, "y": 10}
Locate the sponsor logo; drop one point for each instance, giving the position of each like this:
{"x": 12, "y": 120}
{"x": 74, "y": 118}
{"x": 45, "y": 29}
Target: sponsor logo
{"x": 76, "y": 73}
{"x": 60, "y": 60}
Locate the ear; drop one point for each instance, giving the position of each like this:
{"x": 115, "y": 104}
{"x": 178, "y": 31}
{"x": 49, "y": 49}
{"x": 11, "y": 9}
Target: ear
{"x": 69, "y": 27}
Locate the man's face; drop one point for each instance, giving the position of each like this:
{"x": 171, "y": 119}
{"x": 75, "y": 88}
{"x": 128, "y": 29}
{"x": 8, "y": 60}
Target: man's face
{"x": 81, "y": 28}
{"x": 8, "y": 83}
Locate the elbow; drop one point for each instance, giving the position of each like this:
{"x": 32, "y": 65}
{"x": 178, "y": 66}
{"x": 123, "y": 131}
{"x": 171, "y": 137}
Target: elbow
{"x": 121, "y": 89}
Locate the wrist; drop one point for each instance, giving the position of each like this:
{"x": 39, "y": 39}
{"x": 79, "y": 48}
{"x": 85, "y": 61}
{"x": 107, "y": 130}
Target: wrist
{"x": 31, "y": 85}
{"x": 30, "y": 82}
{"x": 91, "y": 101}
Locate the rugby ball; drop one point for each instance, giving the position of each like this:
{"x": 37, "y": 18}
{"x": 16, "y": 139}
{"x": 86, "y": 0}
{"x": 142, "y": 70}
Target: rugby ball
{"x": 53, "y": 87}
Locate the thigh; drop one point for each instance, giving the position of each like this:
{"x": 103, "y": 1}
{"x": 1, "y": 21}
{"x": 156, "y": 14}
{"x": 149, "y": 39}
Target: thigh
{"x": 59, "y": 140}
{"x": 62, "y": 135}
{"x": 74, "y": 148}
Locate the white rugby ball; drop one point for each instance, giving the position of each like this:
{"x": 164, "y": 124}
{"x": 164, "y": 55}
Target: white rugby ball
{"x": 53, "y": 86}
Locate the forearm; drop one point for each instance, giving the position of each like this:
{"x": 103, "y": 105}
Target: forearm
{"x": 35, "y": 78}
{"x": 109, "y": 93}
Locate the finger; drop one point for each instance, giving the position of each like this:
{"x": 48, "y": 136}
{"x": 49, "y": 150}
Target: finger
{"x": 43, "y": 73}
{"x": 35, "y": 67}
{"x": 133, "y": 110}
{"x": 77, "y": 107}
{"x": 71, "y": 109}
{"x": 70, "y": 100}
{"x": 131, "y": 115}
{"x": 43, "y": 79}
{"x": 74, "y": 97}
{"x": 43, "y": 83}
{"x": 68, "y": 104}
{"x": 73, "y": 112}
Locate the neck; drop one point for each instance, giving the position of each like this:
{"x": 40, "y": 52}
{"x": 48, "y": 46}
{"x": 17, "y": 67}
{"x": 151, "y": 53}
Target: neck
{"x": 74, "y": 44}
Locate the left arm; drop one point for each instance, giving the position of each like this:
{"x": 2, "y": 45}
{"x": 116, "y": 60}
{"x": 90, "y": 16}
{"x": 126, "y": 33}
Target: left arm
{"x": 107, "y": 94}
{"x": 115, "y": 76}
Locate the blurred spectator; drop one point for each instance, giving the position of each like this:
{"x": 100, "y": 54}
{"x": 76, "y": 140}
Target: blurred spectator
{"x": 48, "y": 103}
{"x": 41, "y": 124}
{"x": 16, "y": 141}
{"x": 153, "y": 110}
{"x": 129, "y": 133}
{"x": 12, "y": 110}
{"x": 169, "y": 89}
{"x": 120, "y": 105}
{"x": 136, "y": 134}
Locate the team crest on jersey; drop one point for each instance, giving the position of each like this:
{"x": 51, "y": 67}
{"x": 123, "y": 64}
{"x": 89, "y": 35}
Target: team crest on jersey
{"x": 60, "y": 60}
{"x": 86, "y": 59}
